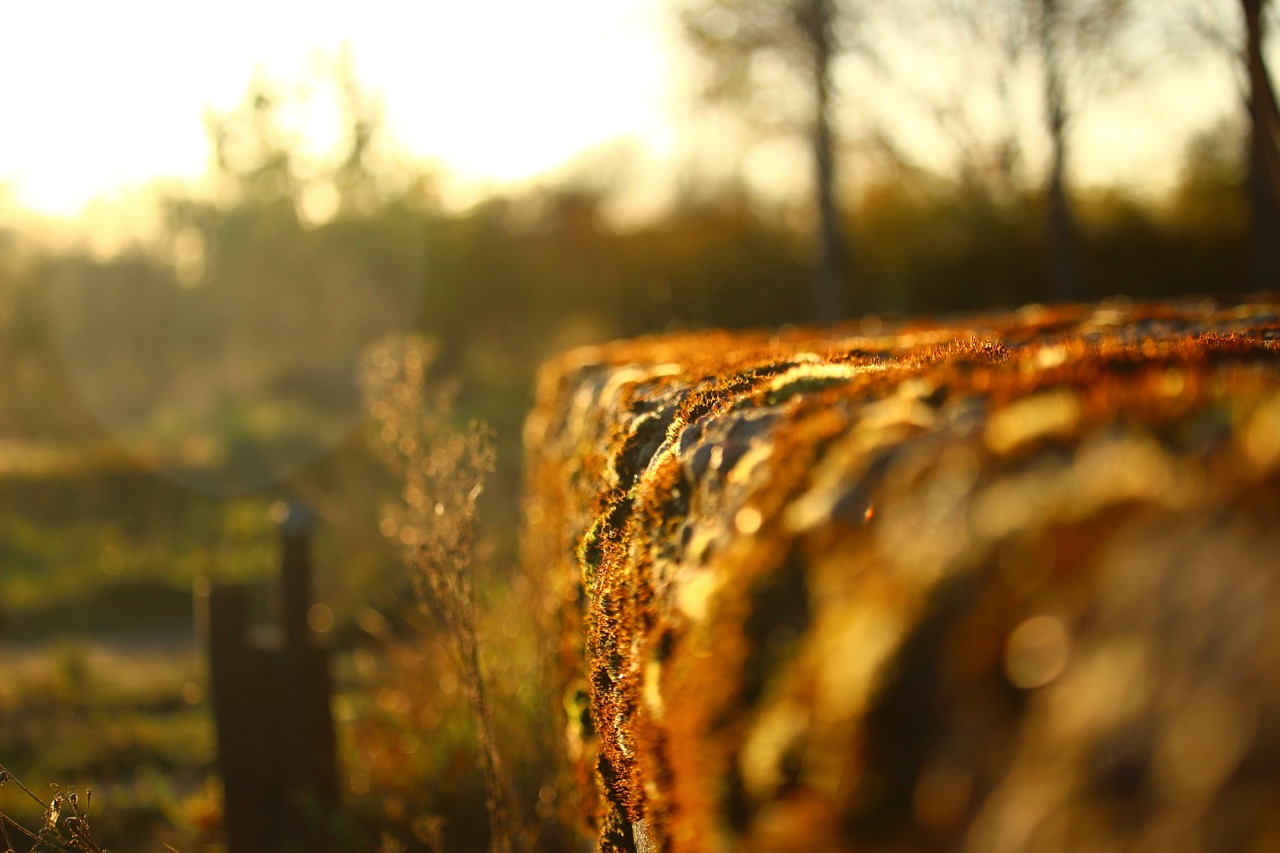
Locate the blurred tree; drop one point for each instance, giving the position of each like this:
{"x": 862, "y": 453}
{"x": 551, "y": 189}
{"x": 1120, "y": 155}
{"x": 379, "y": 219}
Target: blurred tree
{"x": 1074, "y": 38}
{"x": 1063, "y": 254}
{"x": 1238, "y": 33}
{"x": 1264, "y": 147}
{"x": 746, "y": 42}
{"x": 1208, "y": 200}
{"x": 356, "y": 179}
{"x": 242, "y": 333}
{"x": 989, "y": 40}
{"x": 251, "y": 149}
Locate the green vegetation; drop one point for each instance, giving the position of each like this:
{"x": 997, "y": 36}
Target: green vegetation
{"x": 124, "y": 721}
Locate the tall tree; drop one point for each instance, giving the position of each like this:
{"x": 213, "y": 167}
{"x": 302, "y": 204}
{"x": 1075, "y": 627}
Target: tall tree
{"x": 1077, "y": 41}
{"x": 815, "y": 20}
{"x": 745, "y": 40}
{"x": 1075, "y": 50}
{"x": 1237, "y": 32}
{"x": 1064, "y": 265}
{"x": 1264, "y": 152}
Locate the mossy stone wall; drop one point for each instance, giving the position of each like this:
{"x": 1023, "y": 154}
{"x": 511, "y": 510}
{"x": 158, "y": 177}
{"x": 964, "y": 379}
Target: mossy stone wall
{"x": 1003, "y": 582}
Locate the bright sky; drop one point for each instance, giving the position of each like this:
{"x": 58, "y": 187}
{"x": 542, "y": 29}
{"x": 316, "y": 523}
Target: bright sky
{"x": 100, "y": 96}
{"x": 103, "y": 95}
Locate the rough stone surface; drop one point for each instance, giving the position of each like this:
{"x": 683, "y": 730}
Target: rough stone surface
{"x": 999, "y": 583}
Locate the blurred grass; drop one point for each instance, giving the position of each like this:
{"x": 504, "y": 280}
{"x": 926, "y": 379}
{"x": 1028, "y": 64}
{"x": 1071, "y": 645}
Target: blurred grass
{"x": 124, "y": 720}
{"x": 102, "y": 685}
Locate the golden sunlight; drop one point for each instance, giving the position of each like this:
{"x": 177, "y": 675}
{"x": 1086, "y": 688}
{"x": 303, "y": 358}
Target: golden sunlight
{"x": 495, "y": 92}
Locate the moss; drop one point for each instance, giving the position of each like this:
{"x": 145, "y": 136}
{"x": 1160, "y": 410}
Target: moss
{"x": 803, "y": 554}
{"x": 779, "y": 615}
{"x": 802, "y": 385}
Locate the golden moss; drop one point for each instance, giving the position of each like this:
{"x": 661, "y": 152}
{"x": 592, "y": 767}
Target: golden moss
{"x": 825, "y": 588}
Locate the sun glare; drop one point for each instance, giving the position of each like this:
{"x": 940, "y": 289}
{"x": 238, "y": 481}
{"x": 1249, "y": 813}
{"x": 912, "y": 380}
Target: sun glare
{"x": 103, "y": 97}
{"x": 495, "y": 92}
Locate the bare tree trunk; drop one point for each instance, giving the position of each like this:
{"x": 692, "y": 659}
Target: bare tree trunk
{"x": 829, "y": 295}
{"x": 1064, "y": 264}
{"x": 1264, "y": 155}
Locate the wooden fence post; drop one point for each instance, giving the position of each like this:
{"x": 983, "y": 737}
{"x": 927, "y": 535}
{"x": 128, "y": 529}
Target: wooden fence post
{"x": 306, "y": 737}
{"x": 271, "y": 707}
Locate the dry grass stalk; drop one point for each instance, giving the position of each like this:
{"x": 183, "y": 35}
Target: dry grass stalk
{"x": 442, "y": 471}
{"x": 64, "y": 827}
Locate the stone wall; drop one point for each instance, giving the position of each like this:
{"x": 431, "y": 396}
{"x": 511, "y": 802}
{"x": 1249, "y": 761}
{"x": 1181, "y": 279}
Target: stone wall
{"x": 1000, "y": 583}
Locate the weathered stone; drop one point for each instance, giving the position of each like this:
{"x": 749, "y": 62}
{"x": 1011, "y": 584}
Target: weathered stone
{"x": 1000, "y": 583}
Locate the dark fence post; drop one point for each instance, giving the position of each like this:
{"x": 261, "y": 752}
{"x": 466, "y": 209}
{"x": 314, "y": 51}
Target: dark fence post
{"x": 271, "y": 708}
{"x": 236, "y": 686}
{"x": 295, "y": 575}
{"x": 308, "y": 766}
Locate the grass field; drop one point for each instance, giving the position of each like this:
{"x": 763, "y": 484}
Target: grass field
{"x": 100, "y": 682}
{"x": 125, "y": 719}
{"x": 103, "y": 685}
